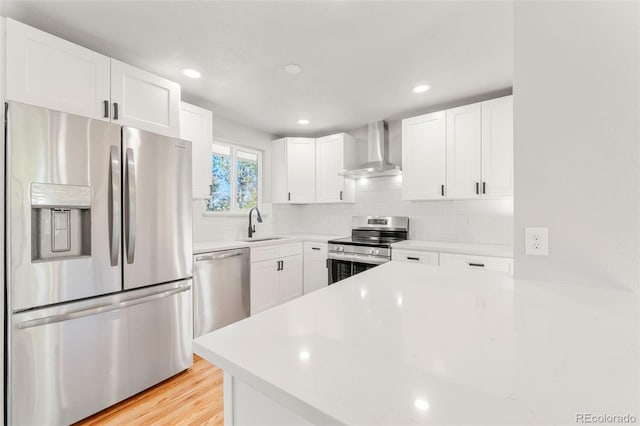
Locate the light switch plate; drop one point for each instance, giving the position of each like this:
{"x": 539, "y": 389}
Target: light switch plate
{"x": 536, "y": 241}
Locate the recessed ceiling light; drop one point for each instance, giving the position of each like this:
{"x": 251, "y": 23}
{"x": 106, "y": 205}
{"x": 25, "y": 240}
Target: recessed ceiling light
{"x": 189, "y": 72}
{"x": 293, "y": 68}
{"x": 421, "y": 404}
{"x": 303, "y": 121}
{"x": 420, "y": 88}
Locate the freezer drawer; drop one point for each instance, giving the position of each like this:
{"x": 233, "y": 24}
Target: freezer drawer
{"x": 221, "y": 293}
{"x": 70, "y": 361}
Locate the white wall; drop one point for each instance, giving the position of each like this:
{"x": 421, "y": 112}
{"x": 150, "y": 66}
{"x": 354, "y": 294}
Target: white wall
{"x": 207, "y": 228}
{"x": 576, "y": 159}
{"x": 480, "y": 221}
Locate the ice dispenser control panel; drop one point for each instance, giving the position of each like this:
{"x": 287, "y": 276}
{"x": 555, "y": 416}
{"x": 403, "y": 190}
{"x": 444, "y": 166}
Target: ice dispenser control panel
{"x": 60, "y": 221}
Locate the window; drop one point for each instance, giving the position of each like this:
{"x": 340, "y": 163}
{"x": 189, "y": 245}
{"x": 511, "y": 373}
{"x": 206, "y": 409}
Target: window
{"x": 236, "y": 178}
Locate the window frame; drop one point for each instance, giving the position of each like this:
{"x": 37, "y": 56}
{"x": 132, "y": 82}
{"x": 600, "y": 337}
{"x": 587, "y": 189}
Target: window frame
{"x": 234, "y": 147}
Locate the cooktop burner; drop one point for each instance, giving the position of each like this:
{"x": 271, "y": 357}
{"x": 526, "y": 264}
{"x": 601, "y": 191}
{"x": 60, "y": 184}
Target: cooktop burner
{"x": 367, "y": 242}
{"x": 376, "y": 231}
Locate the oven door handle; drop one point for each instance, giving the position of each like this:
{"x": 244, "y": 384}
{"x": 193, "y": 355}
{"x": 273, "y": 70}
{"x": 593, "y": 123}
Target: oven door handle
{"x": 359, "y": 258}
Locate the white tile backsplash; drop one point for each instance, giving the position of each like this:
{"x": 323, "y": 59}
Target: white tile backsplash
{"x": 216, "y": 228}
{"x": 477, "y": 221}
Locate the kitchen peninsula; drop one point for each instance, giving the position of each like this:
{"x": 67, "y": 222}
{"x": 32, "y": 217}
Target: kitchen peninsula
{"x": 407, "y": 343}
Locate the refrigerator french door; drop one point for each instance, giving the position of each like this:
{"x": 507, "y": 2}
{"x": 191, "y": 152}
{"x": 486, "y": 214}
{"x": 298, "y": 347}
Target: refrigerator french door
{"x": 98, "y": 263}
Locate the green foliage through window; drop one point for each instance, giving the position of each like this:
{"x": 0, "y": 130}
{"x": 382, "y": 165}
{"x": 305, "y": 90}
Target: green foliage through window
{"x": 246, "y": 184}
{"x": 233, "y": 188}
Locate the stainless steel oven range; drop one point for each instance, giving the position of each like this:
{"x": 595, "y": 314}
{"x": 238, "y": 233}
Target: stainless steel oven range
{"x": 368, "y": 246}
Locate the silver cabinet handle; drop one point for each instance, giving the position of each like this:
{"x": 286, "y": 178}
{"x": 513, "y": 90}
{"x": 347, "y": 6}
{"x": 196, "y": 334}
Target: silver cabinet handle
{"x": 219, "y": 256}
{"x": 340, "y": 195}
{"x": 130, "y": 206}
{"x": 106, "y": 108}
{"x": 101, "y": 308}
{"x": 114, "y": 205}
{"x": 115, "y": 110}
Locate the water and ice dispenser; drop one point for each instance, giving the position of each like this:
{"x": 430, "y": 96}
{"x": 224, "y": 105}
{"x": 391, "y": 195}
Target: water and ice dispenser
{"x": 60, "y": 221}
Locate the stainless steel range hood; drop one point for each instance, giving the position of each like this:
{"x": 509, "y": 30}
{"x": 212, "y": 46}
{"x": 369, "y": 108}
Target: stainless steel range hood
{"x": 378, "y": 155}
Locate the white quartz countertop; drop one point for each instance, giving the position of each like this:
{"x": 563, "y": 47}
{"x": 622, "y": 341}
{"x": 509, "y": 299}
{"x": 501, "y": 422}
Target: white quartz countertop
{"x": 414, "y": 344}
{"x": 209, "y": 246}
{"x": 496, "y": 250}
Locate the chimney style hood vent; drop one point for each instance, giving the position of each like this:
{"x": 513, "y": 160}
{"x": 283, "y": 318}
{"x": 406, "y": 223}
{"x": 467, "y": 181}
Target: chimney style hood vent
{"x": 378, "y": 155}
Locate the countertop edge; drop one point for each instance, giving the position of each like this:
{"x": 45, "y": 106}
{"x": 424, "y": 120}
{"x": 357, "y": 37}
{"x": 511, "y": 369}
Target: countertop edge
{"x": 286, "y": 399}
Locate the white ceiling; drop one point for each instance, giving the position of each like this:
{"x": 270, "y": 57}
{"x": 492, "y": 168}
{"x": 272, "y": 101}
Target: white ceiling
{"x": 360, "y": 60}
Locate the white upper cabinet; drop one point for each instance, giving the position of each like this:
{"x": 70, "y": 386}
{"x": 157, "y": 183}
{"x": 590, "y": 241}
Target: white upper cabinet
{"x": 424, "y": 157}
{"x": 196, "y": 125}
{"x": 497, "y": 147}
{"x": 463, "y": 151}
{"x": 293, "y": 170}
{"x": 333, "y": 154}
{"x": 50, "y": 72}
{"x": 144, "y": 101}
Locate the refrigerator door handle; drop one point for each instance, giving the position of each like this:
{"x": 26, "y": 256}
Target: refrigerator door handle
{"x": 114, "y": 205}
{"x": 101, "y": 308}
{"x": 131, "y": 206}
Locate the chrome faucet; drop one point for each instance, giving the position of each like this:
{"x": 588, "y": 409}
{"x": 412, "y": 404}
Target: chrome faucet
{"x": 252, "y": 228}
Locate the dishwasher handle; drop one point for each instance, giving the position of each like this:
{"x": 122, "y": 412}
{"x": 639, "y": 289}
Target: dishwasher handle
{"x": 220, "y": 256}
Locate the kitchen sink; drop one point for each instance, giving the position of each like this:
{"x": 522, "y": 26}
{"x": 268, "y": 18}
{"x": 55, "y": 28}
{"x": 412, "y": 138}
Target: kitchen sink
{"x": 256, "y": 240}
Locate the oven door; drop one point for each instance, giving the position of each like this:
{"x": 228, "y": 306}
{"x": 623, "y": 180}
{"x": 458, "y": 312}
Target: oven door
{"x": 343, "y": 266}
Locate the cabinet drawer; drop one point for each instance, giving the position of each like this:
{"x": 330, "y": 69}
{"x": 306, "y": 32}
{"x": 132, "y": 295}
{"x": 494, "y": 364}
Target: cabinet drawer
{"x": 500, "y": 264}
{"x": 315, "y": 249}
{"x": 415, "y": 256}
{"x": 264, "y": 253}
{"x": 259, "y": 254}
{"x": 290, "y": 249}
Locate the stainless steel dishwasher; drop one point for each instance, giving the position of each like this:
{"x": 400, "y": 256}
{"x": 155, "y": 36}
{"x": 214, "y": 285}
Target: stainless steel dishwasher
{"x": 220, "y": 289}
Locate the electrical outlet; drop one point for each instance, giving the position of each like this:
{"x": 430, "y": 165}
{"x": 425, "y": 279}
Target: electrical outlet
{"x": 536, "y": 241}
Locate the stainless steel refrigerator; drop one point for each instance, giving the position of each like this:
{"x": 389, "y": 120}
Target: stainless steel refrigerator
{"x": 99, "y": 266}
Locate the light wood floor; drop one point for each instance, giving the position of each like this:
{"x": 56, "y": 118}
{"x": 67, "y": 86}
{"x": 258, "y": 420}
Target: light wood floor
{"x": 193, "y": 397}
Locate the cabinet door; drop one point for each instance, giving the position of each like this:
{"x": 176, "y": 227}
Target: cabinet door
{"x": 264, "y": 285}
{"x": 279, "y": 171}
{"x": 329, "y": 161}
{"x": 196, "y": 125}
{"x": 290, "y": 278}
{"x": 50, "y": 72}
{"x": 301, "y": 170}
{"x": 497, "y": 147}
{"x": 424, "y": 156}
{"x": 316, "y": 275}
{"x": 463, "y": 152}
{"x": 144, "y": 101}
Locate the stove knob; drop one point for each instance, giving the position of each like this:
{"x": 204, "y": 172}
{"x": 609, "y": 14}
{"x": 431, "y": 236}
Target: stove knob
{"x": 377, "y": 251}
{"x": 340, "y": 248}
{"x": 370, "y": 251}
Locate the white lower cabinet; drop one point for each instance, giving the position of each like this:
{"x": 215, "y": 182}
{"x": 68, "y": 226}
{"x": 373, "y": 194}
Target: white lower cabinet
{"x": 488, "y": 263}
{"x": 276, "y": 275}
{"x": 415, "y": 256}
{"x": 316, "y": 275}
{"x": 467, "y": 261}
